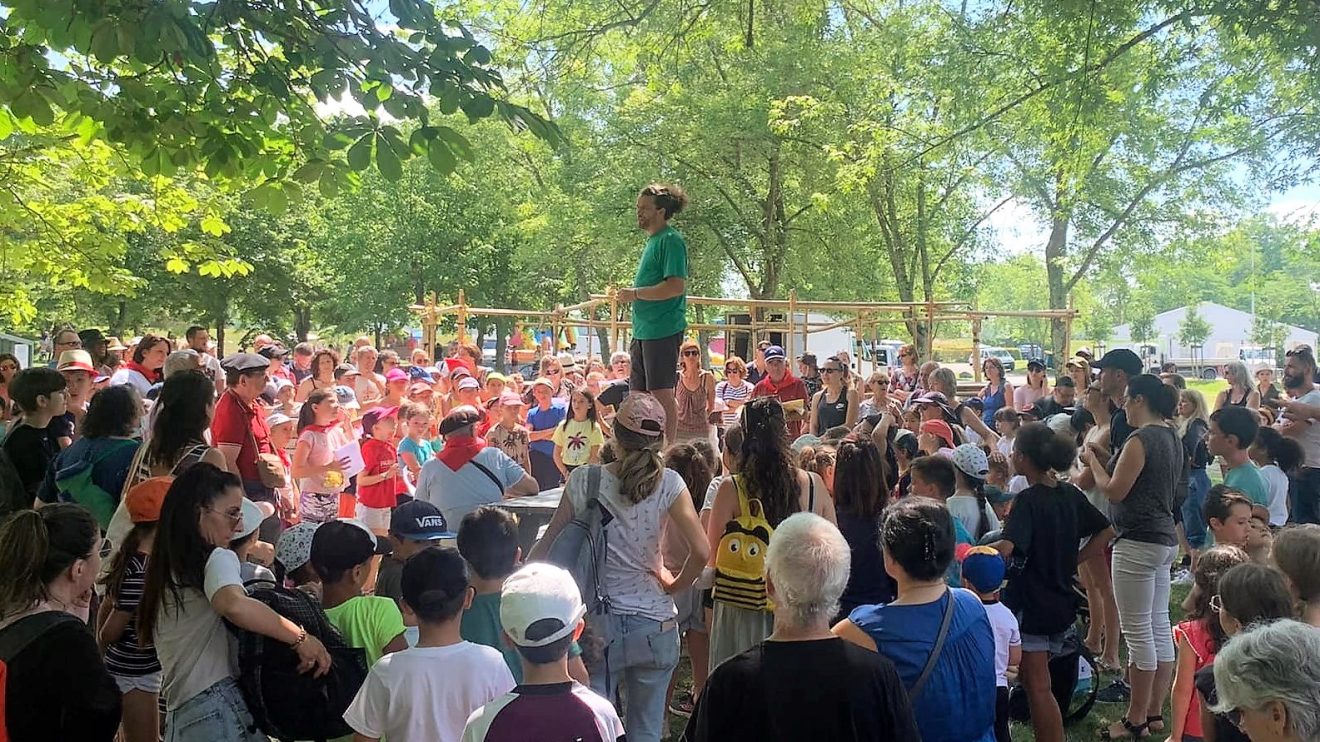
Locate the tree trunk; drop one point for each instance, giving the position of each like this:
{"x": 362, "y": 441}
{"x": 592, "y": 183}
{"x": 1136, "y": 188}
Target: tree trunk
{"x": 1055, "y": 251}
{"x": 503, "y": 326}
{"x": 221, "y": 319}
{"x": 302, "y": 321}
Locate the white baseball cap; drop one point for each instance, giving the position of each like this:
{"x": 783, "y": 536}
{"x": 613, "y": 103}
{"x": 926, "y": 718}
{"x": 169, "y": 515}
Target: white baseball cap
{"x": 534, "y": 593}
{"x": 253, "y": 514}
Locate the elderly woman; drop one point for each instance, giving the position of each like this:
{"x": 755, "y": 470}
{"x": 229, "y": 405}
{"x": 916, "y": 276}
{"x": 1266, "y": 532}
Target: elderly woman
{"x": 1268, "y": 677}
{"x": 803, "y": 682}
{"x": 1239, "y": 392}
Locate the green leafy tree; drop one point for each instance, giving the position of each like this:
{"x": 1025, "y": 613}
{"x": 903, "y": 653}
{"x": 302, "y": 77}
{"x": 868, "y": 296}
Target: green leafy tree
{"x": 1192, "y": 332}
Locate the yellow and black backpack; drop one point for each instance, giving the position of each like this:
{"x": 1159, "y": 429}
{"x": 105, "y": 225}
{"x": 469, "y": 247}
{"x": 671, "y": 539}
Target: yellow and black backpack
{"x": 740, "y": 561}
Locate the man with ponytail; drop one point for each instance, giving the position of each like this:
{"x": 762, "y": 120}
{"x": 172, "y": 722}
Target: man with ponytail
{"x": 659, "y": 299}
{"x": 55, "y": 684}
{"x": 1049, "y": 518}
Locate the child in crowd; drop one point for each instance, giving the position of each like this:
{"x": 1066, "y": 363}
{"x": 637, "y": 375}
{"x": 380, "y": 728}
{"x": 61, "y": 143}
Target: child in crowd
{"x": 320, "y": 474}
{"x": 1297, "y": 555}
{"x": 691, "y": 464}
{"x": 968, "y": 503}
{"x": 488, "y": 540}
{"x": 1280, "y": 459}
{"x": 341, "y": 551}
{"x": 293, "y": 559}
{"x": 509, "y": 434}
{"x": 578, "y": 438}
{"x": 936, "y": 477}
{"x": 134, "y": 665}
{"x": 31, "y": 442}
{"x": 414, "y": 449}
{"x": 1050, "y": 518}
{"x": 1007, "y": 422}
{"x": 379, "y": 483}
{"x": 541, "y": 613}
{"x": 905, "y": 452}
{"x": 283, "y": 436}
{"x": 427, "y": 693}
{"x": 1260, "y": 541}
{"x": 1198, "y": 639}
{"x": 1232, "y": 431}
{"x": 1228, "y": 515}
{"x": 983, "y": 574}
{"x": 1001, "y": 501}
{"x": 253, "y": 554}
{"x": 414, "y": 526}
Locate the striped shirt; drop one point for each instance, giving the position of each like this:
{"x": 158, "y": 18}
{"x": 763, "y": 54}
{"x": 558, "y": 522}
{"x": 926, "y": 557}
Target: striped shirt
{"x": 124, "y": 656}
{"x": 728, "y": 392}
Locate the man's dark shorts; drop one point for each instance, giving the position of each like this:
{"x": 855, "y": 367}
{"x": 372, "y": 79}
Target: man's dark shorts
{"x": 654, "y": 363}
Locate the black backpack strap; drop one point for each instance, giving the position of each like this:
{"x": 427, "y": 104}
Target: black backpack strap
{"x": 935, "y": 651}
{"x": 18, "y": 635}
{"x": 498, "y": 484}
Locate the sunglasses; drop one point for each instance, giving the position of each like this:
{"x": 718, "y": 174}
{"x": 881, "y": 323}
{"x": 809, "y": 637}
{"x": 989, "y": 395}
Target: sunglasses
{"x": 553, "y": 373}
{"x": 732, "y": 370}
{"x": 830, "y": 370}
{"x": 690, "y": 353}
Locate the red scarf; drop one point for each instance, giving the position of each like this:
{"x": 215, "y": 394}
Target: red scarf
{"x": 459, "y": 450}
{"x": 322, "y": 428}
{"x": 151, "y": 376}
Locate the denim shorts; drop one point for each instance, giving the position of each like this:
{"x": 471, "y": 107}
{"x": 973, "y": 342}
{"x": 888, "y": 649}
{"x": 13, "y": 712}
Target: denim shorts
{"x": 149, "y": 683}
{"x": 1052, "y": 643}
{"x": 217, "y": 714}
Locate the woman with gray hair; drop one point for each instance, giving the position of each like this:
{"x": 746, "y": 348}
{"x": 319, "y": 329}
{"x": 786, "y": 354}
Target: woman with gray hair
{"x": 1268, "y": 679}
{"x": 803, "y": 682}
{"x": 1239, "y": 392}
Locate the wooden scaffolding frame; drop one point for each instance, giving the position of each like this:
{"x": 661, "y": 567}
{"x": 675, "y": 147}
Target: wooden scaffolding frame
{"x": 864, "y": 316}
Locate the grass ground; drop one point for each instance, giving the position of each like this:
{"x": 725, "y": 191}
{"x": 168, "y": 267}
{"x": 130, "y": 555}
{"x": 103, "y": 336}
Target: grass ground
{"x": 1102, "y": 714}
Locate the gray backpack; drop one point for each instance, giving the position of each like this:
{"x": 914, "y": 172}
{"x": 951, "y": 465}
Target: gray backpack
{"x": 580, "y": 546}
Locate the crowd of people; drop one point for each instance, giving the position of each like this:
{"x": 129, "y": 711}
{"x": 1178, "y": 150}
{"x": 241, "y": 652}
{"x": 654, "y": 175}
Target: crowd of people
{"x": 840, "y": 558}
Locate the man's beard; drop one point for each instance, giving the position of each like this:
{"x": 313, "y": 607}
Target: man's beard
{"x": 1294, "y": 382}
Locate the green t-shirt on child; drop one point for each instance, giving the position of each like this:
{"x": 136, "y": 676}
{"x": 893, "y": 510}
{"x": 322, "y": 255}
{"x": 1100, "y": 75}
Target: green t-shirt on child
{"x": 665, "y": 256}
{"x": 1247, "y": 478}
{"x": 367, "y": 622}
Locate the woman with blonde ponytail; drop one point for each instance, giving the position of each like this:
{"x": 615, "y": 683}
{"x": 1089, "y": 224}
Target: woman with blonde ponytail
{"x": 56, "y": 685}
{"x": 638, "y": 493}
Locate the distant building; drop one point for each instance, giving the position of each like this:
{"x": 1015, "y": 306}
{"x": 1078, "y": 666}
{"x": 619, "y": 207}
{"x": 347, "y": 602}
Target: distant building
{"x": 1230, "y": 332}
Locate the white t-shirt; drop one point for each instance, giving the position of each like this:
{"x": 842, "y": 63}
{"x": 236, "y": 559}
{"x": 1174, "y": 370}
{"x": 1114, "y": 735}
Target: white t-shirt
{"x": 1005, "y": 628}
{"x": 192, "y": 642}
{"x": 711, "y": 491}
{"x": 1017, "y": 484}
{"x": 1310, "y": 438}
{"x": 426, "y": 694}
{"x": 1005, "y": 446}
{"x": 367, "y": 393}
{"x": 131, "y": 377}
{"x": 963, "y": 507}
{"x": 1276, "y": 484}
{"x": 632, "y": 555}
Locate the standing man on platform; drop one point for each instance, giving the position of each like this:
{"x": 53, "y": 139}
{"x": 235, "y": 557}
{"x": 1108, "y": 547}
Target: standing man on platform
{"x": 659, "y": 300}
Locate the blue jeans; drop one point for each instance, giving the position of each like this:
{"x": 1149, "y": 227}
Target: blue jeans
{"x": 217, "y": 714}
{"x": 640, "y": 654}
{"x": 1193, "y": 509}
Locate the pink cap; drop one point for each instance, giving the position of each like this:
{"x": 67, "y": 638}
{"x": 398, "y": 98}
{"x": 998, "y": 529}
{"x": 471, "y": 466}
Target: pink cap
{"x": 642, "y": 414}
{"x": 511, "y": 399}
{"x": 939, "y": 429}
{"x": 396, "y": 374}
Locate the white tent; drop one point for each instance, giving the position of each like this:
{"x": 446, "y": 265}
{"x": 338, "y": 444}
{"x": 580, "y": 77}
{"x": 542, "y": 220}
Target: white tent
{"x": 1230, "y": 330}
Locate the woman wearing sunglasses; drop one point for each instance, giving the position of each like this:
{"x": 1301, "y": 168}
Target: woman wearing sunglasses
{"x": 57, "y": 686}
{"x": 694, "y": 395}
{"x": 835, "y": 404}
{"x": 193, "y": 587}
{"x": 734, "y": 391}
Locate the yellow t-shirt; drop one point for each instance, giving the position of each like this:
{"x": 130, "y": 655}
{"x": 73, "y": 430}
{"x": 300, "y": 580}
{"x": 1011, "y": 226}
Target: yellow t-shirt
{"x": 576, "y": 439}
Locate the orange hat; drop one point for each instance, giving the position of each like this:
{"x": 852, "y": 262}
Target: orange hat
{"x": 144, "y": 499}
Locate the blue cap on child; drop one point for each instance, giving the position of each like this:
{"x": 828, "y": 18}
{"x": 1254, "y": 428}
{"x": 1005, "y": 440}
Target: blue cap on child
{"x": 983, "y": 569}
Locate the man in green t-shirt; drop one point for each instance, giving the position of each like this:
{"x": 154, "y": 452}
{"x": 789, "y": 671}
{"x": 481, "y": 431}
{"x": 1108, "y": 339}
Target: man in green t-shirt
{"x": 1232, "y": 431}
{"x": 659, "y": 299}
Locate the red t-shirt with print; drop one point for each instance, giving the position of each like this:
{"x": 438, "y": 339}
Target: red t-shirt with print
{"x": 378, "y": 456}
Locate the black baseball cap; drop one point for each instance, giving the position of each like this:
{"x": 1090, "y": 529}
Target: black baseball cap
{"x": 1122, "y": 359}
{"x": 419, "y": 520}
{"x": 341, "y": 545}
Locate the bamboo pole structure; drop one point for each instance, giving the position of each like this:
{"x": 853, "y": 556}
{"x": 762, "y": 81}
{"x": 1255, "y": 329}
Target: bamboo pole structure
{"x": 613, "y": 293}
{"x": 976, "y": 349}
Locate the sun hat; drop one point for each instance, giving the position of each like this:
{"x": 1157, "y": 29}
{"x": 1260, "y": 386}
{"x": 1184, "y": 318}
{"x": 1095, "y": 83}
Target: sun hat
{"x": 971, "y": 460}
{"x": 939, "y": 429}
{"x": 537, "y": 592}
{"x": 145, "y": 498}
{"x": 76, "y": 360}
{"x": 294, "y": 548}
{"x": 642, "y": 414}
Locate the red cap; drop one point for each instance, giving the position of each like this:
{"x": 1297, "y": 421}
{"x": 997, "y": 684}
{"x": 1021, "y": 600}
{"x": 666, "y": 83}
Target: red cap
{"x": 144, "y": 500}
{"x": 939, "y": 429}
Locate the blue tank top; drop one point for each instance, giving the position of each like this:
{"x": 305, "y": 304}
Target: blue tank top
{"x": 993, "y": 404}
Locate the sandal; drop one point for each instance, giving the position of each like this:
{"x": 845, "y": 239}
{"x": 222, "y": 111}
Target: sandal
{"x": 1134, "y": 731}
{"x": 1151, "y": 721}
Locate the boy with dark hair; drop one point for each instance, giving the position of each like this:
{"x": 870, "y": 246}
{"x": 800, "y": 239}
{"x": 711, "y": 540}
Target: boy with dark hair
{"x": 1232, "y": 431}
{"x": 934, "y": 477}
{"x": 488, "y": 540}
{"x": 427, "y": 693}
{"x": 341, "y": 555}
{"x": 541, "y": 610}
{"x": 32, "y": 443}
{"x": 1228, "y": 514}
{"x": 414, "y": 526}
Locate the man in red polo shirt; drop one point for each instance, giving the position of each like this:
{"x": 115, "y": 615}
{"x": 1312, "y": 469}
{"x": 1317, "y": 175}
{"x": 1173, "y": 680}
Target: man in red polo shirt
{"x": 785, "y": 387}
{"x": 239, "y": 429}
